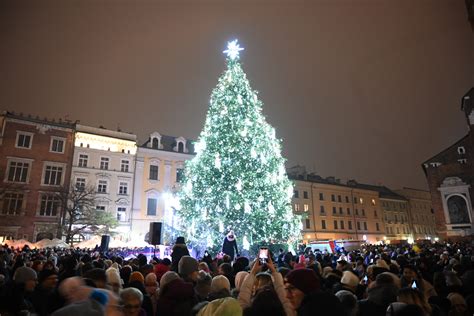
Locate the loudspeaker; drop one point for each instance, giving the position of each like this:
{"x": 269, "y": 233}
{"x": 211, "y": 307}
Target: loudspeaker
{"x": 155, "y": 233}
{"x": 104, "y": 243}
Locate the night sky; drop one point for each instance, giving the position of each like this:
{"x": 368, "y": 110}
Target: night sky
{"x": 355, "y": 89}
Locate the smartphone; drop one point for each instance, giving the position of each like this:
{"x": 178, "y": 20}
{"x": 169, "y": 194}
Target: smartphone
{"x": 365, "y": 279}
{"x": 413, "y": 285}
{"x": 263, "y": 254}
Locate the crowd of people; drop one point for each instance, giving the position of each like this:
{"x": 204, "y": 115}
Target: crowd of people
{"x": 422, "y": 279}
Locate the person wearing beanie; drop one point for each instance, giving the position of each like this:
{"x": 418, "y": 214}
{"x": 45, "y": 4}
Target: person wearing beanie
{"x": 179, "y": 250}
{"x": 303, "y": 290}
{"x": 349, "y": 281}
{"x": 239, "y": 279}
{"x": 138, "y": 281}
{"x": 45, "y": 297}
{"x": 136, "y": 276}
{"x": 227, "y": 306}
{"x": 17, "y": 299}
{"x": 188, "y": 268}
{"x": 114, "y": 282}
{"x": 220, "y": 288}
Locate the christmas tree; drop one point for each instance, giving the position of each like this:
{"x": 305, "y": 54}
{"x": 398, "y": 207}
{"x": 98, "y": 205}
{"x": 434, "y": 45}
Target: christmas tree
{"x": 237, "y": 180}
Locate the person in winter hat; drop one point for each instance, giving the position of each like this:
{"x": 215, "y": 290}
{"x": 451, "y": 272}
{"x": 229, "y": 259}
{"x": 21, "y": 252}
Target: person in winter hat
{"x": 179, "y": 250}
{"x": 229, "y": 245}
{"x": 227, "y": 306}
{"x": 188, "y": 268}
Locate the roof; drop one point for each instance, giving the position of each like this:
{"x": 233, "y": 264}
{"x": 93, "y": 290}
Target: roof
{"x": 37, "y": 119}
{"x": 169, "y": 142}
{"x": 456, "y": 144}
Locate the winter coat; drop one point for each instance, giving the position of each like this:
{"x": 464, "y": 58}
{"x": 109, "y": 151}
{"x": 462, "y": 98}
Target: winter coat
{"x": 179, "y": 250}
{"x": 46, "y": 301}
{"x": 245, "y": 294}
{"x": 229, "y": 246}
{"x": 176, "y": 298}
{"x": 320, "y": 303}
{"x": 379, "y": 298}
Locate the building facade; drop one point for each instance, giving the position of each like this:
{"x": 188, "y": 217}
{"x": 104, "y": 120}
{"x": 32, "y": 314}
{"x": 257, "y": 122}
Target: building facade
{"x": 333, "y": 210}
{"x": 105, "y": 160}
{"x": 450, "y": 176}
{"x": 422, "y": 221}
{"x": 35, "y": 165}
{"x": 159, "y": 169}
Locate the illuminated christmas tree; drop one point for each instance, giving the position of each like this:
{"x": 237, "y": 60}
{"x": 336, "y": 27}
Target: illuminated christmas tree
{"x": 237, "y": 180}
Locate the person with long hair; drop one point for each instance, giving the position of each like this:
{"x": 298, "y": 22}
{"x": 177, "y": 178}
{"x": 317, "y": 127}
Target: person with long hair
{"x": 412, "y": 296}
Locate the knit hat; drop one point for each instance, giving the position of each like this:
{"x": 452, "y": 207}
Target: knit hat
{"x": 136, "y": 276}
{"x": 239, "y": 278}
{"x": 227, "y": 306}
{"x": 349, "y": 279}
{"x": 24, "y": 274}
{"x": 44, "y": 274}
{"x": 218, "y": 283}
{"x": 305, "y": 280}
{"x": 180, "y": 240}
{"x": 168, "y": 277}
{"x": 187, "y": 265}
{"x": 113, "y": 276}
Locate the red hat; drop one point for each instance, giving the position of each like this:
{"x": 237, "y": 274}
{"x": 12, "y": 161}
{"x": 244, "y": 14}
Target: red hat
{"x": 305, "y": 280}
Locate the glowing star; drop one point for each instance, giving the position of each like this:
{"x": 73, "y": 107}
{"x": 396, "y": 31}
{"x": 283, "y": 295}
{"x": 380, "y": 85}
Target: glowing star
{"x": 233, "y": 49}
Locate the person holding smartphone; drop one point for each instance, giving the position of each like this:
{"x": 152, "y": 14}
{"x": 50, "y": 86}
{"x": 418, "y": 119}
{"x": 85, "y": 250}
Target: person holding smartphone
{"x": 245, "y": 296}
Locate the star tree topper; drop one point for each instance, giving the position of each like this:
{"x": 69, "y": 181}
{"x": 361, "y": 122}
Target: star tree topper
{"x": 233, "y": 49}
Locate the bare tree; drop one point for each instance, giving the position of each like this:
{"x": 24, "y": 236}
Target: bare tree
{"x": 80, "y": 215}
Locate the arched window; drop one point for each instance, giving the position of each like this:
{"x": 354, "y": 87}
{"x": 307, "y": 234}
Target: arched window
{"x": 458, "y": 210}
{"x": 180, "y": 147}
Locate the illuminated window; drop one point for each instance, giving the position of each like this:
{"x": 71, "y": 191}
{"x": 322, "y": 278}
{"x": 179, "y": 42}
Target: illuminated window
{"x": 121, "y": 214}
{"x": 297, "y": 207}
{"x": 373, "y": 202}
{"x": 361, "y": 200}
{"x": 305, "y": 207}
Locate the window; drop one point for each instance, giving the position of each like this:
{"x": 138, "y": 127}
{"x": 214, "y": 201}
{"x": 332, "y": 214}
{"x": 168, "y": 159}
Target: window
{"x": 342, "y": 224}
{"x": 53, "y": 175}
{"x": 102, "y": 186}
{"x": 12, "y": 203}
{"x": 361, "y": 200}
{"x": 365, "y": 225}
{"x": 153, "y": 172}
{"x": 121, "y": 214}
{"x": 398, "y": 230}
{"x": 462, "y": 161}
{"x": 179, "y": 175}
{"x": 334, "y": 210}
{"x": 296, "y": 194}
{"x": 18, "y": 171}
{"x": 104, "y": 163}
{"x": 377, "y": 226}
{"x": 335, "y": 224}
{"x": 323, "y": 224}
{"x": 461, "y": 150}
{"x": 123, "y": 188}
{"x": 333, "y": 198}
{"x": 83, "y": 160}
{"x": 321, "y": 196}
{"x": 347, "y": 199}
{"x": 375, "y": 213}
{"x": 124, "y": 165}
{"x": 339, "y": 199}
{"x": 349, "y": 224}
{"x": 348, "y": 211}
{"x": 357, "y": 212}
{"x": 49, "y": 205}
{"x": 57, "y": 145}
{"x": 151, "y": 207}
{"x": 100, "y": 208}
{"x": 396, "y": 218}
{"x": 297, "y": 207}
{"x": 305, "y": 207}
{"x": 155, "y": 143}
{"x": 321, "y": 209}
{"x": 363, "y": 212}
{"x": 23, "y": 140}
{"x": 305, "y": 194}
{"x": 355, "y": 200}
{"x": 341, "y": 211}
{"x": 308, "y": 224}
{"x": 80, "y": 184}
{"x": 358, "y": 225}
{"x": 373, "y": 202}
